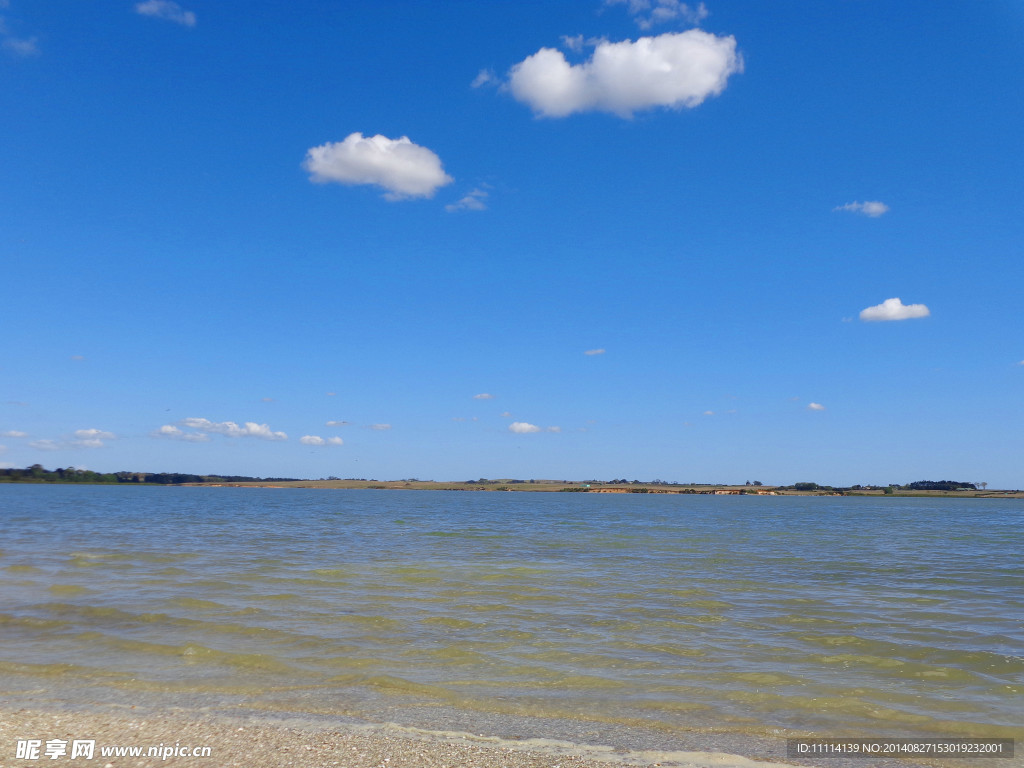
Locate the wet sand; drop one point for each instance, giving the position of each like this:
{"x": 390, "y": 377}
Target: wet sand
{"x": 263, "y": 744}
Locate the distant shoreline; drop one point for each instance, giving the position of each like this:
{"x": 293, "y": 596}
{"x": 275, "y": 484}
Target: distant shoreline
{"x": 567, "y": 486}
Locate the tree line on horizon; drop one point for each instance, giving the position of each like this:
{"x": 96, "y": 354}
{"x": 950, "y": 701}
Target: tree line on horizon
{"x": 39, "y": 474}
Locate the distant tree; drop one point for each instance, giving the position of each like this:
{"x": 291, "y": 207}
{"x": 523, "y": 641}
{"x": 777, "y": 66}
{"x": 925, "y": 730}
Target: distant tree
{"x": 805, "y": 486}
{"x": 758, "y": 483}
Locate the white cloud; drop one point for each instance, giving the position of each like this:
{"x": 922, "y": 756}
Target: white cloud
{"x": 647, "y": 13}
{"x": 673, "y": 70}
{"x": 522, "y": 428}
{"x": 402, "y": 168}
{"x": 484, "y": 77}
{"x": 483, "y": 396}
{"x": 709, "y": 413}
{"x": 815, "y": 407}
{"x": 167, "y": 10}
{"x": 573, "y": 43}
{"x": 45, "y": 445}
{"x": 554, "y": 429}
{"x": 21, "y": 46}
{"x": 231, "y": 429}
{"x": 172, "y": 432}
{"x": 380, "y": 427}
{"x": 94, "y": 434}
{"x": 337, "y": 423}
{"x": 13, "y": 433}
{"x": 474, "y": 201}
{"x": 506, "y": 415}
{"x": 872, "y": 208}
{"x": 594, "y": 352}
{"x": 893, "y": 309}
{"x": 317, "y": 440}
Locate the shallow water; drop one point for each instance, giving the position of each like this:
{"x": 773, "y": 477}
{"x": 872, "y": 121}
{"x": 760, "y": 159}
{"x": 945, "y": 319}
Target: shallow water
{"x": 746, "y": 615}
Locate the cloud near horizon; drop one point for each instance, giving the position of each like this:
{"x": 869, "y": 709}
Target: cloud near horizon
{"x": 674, "y": 70}
{"x": 172, "y": 432}
{"x": 317, "y": 440}
{"x": 166, "y": 10}
{"x": 893, "y": 309}
{"x": 231, "y": 429}
{"x": 405, "y": 170}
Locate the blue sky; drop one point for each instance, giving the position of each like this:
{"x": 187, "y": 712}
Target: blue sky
{"x": 504, "y": 239}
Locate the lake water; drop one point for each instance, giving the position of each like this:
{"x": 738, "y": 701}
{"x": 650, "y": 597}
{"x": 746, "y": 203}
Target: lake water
{"x": 603, "y": 614}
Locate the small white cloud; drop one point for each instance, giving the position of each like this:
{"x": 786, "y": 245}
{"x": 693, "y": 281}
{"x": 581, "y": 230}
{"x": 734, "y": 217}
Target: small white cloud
{"x": 815, "y": 407}
{"x": 484, "y": 77}
{"x": 312, "y": 440}
{"x": 594, "y": 352}
{"x": 166, "y": 10}
{"x": 94, "y": 434}
{"x": 231, "y": 429}
{"x": 554, "y": 429}
{"x": 337, "y": 423}
{"x": 573, "y": 43}
{"x": 331, "y": 394}
{"x": 709, "y": 413}
{"x": 647, "y": 13}
{"x": 483, "y": 396}
{"x": 172, "y": 432}
{"x": 522, "y": 428}
{"x": 474, "y": 201}
{"x": 78, "y": 357}
{"x": 13, "y": 433}
{"x": 380, "y": 427}
{"x": 506, "y": 415}
{"x": 266, "y": 399}
{"x": 674, "y": 70}
{"x": 893, "y": 309}
{"x": 402, "y": 168}
{"x": 335, "y": 441}
{"x": 18, "y": 46}
{"x": 45, "y": 445}
{"x": 872, "y": 208}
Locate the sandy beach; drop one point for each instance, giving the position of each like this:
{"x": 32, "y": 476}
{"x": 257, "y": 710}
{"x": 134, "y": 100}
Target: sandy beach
{"x": 265, "y": 744}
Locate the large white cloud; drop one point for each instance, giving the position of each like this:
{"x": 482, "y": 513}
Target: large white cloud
{"x": 167, "y": 10}
{"x": 231, "y": 429}
{"x": 402, "y": 168}
{"x": 673, "y": 70}
{"x": 13, "y": 433}
{"x": 893, "y": 309}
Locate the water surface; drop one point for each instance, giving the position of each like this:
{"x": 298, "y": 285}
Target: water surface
{"x": 753, "y": 615}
